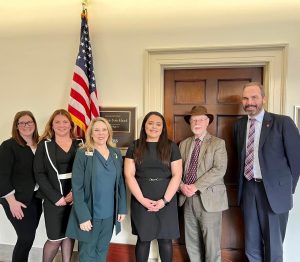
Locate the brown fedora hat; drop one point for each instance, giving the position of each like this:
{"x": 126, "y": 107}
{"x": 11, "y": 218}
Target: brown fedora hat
{"x": 198, "y": 111}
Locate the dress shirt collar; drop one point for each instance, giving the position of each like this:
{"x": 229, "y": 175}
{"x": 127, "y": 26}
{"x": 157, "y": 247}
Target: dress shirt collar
{"x": 201, "y": 137}
{"x": 259, "y": 118}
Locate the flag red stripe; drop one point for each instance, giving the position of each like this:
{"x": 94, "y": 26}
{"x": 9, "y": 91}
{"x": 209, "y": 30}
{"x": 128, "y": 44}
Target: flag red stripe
{"x": 94, "y": 110}
{"x": 78, "y": 97}
{"x": 77, "y": 114}
{"x": 80, "y": 81}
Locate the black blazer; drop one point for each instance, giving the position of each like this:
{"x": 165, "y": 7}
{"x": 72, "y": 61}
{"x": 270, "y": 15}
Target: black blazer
{"x": 16, "y": 171}
{"x": 45, "y": 170}
{"x": 279, "y": 148}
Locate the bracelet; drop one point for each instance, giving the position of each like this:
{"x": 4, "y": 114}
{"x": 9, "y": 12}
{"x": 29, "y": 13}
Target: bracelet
{"x": 165, "y": 201}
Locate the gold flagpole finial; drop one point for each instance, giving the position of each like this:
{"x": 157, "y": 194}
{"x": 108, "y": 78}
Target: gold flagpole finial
{"x": 84, "y": 4}
{"x": 84, "y": 7}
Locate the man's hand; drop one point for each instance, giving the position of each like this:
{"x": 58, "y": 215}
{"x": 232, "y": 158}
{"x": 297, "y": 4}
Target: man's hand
{"x": 188, "y": 190}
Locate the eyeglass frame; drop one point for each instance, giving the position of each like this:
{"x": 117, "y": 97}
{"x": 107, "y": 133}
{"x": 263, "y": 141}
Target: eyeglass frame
{"x": 24, "y": 124}
{"x": 198, "y": 120}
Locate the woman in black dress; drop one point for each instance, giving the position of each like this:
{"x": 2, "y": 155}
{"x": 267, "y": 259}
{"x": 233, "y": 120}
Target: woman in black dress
{"x": 153, "y": 170}
{"x": 53, "y": 171}
{"x": 18, "y": 186}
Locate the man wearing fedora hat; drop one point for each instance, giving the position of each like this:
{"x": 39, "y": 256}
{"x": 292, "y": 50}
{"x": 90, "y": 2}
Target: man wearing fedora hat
{"x": 203, "y": 193}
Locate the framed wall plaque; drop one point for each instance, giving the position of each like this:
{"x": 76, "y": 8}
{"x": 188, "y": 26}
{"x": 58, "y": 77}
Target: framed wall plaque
{"x": 123, "y": 123}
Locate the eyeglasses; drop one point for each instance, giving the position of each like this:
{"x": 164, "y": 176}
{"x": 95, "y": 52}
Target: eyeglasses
{"x": 194, "y": 121}
{"x": 28, "y": 123}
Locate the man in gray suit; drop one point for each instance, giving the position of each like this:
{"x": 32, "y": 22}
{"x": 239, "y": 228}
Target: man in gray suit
{"x": 203, "y": 192}
{"x": 268, "y": 147}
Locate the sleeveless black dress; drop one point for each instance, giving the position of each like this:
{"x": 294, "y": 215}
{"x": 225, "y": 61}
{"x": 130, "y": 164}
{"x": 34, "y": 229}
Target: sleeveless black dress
{"x": 153, "y": 178}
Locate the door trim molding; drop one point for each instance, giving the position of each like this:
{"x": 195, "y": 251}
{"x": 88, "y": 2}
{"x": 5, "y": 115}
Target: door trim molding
{"x": 273, "y": 57}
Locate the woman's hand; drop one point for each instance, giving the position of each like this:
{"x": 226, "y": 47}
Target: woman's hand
{"x": 15, "y": 207}
{"x": 121, "y": 217}
{"x": 69, "y": 198}
{"x": 160, "y": 204}
{"x": 61, "y": 202}
{"x": 149, "y": 204}
{"x": 86, "y": 226}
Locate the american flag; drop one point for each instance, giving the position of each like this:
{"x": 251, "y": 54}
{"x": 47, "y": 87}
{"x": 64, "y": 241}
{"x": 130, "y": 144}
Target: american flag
{"x": 83, "y": 105}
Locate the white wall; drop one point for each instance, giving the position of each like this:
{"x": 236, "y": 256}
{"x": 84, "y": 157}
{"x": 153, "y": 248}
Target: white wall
{"x": 39, "y": 42}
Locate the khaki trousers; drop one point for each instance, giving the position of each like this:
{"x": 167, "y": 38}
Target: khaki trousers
{"x": 202, "y": 231}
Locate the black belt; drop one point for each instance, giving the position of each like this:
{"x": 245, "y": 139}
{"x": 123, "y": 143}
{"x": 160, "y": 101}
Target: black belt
{"x": 257, "y": 180}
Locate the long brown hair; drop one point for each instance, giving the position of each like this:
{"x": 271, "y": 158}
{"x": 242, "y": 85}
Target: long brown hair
{"x": 49, "y": 133}
{"x": 15, "y": 131}
{"x": 163, "y": 145}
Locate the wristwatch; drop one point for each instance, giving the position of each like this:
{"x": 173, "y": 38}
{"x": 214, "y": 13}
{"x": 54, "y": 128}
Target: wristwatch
{"x": 165, "y": 201}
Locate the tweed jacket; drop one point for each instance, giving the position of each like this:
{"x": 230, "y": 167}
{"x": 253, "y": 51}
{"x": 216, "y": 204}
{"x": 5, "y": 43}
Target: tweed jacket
{"x": 212, "y": 164}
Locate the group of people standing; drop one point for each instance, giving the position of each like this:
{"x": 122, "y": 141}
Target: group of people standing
{"x": 80, "y": 186}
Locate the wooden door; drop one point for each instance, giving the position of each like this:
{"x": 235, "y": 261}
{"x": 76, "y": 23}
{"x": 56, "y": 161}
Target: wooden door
{"x": 219, "y": 90}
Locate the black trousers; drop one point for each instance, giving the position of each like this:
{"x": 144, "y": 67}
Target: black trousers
{"x": 25, "y": 228}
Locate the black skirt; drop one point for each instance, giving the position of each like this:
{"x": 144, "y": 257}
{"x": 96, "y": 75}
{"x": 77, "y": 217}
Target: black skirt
{"x": 56, "y": 220}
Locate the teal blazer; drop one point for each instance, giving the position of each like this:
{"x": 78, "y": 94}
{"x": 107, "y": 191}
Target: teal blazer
{"x": 83, "y": 187}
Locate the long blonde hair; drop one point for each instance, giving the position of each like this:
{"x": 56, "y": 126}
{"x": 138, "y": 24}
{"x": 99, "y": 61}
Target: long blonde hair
{"x": 49, "y": 133}
{"x": 89, "y": 144}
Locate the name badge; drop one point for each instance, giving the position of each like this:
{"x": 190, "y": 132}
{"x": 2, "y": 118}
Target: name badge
{"x": 89, "y": 153}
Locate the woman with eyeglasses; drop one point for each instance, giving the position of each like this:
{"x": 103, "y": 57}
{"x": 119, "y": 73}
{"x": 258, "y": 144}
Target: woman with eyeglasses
{"x": 53, "y": 171}
{"x": 18, "y": 185}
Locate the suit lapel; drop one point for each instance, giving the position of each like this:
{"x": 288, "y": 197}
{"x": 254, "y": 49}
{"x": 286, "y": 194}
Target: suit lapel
{"x": 242, "y": 137}
{"x": 185, "y": 154}
{"x": 116, "y": 161}
{"x": 187, "y": 148}
{"x": 265, "y": 128}
{"x": 50, "y": 145}
{"x": 204, "y": 145}
{"x": 244, "y": 132}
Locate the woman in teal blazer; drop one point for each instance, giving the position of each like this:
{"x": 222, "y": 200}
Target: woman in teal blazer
{"x": 98, "y": 191}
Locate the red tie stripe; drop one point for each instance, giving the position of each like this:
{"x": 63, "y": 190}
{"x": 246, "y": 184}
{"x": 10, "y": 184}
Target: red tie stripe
{"x": 191, "y": 176}
{"x": 249, "y": 161}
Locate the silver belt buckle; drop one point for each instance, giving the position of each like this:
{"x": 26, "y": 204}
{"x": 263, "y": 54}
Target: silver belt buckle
{"x": 153, "y": 179}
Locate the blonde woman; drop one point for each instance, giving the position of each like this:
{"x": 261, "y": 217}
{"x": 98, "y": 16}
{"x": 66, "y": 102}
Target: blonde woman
{"x": 53, "y": 171}
{"x": 99, "y": 193}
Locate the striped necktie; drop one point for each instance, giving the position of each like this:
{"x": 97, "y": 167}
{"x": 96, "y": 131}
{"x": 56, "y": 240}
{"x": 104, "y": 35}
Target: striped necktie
{"x": 191, "y": 176}
{"x": 249, "y": 161}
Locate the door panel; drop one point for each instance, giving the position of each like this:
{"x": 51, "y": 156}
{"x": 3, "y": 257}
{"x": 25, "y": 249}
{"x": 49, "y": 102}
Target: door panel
{"x": 219, "y": 90}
